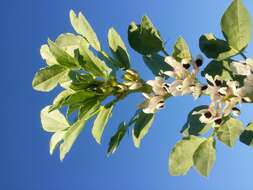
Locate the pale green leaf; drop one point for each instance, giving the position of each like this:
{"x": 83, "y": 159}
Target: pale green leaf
{"x": 144, "y": 38}
{"x": 62, "y": 57}
{"x": 60, "y": 99}
{"x": 156, "y": 64}
{"x": 53, "y": 121}
{"x": 247, "y": 135}
{"x": 236, "y": 25}
{"x": 118, "y": 48}
{"x": 70, "y": 42}
{"x": 193, "y": 126}
{"x": 93, "y": 64}
{"x": 89, "y": 107}
{"x": 80, "y": 97}
{"x": 100, "y": 123}
{"x": 82, "y": 26}
{"x": 48, "y": 78}
{"x": 215, "y": 48}
{"x": 71, "y": 135}
{"x": 56, "y": 138}
{"x": 181, "y": 50}
{"x": 47, "y": 55}
{"x": 221, "y": 68}
{"x": 205, "y": 156}
{"x": 181, "y": 156}
{"x": 116, "y": 138}
{"x": 142, "y": 124}
{"x": 229, "y": 131}
{"x": 72, "y": 108}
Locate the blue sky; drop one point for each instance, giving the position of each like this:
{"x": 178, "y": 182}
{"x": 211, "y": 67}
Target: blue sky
{"x": 25, "y": 161}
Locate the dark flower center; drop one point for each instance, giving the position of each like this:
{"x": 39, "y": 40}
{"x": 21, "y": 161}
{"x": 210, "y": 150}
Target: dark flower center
{"x": 208, "y": 115}
{"x": 186, "y": 66}
{"x": 217, "y": 82}
{"x": 218, "y": 121}
{"x": 199, "y": 62}
{"x": 204, "y": 87}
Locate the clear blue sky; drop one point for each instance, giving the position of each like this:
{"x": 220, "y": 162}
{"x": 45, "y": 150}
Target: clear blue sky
{"x": 25, "y": 163}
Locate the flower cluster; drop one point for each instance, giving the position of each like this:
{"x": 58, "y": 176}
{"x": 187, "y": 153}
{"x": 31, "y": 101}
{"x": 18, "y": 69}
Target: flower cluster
{"x": 185, "y": 82}
{"x": 224, "y": 95}
{"x": 132, "y": 79}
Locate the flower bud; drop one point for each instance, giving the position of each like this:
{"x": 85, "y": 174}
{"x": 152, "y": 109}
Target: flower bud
{"x": 199, "y": 61}
{"x": 236, "y": 111}
{"x": 131, "y": 75}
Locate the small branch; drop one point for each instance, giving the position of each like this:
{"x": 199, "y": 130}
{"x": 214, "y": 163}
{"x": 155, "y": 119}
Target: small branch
{"x": 165, "y": 52}
{"x": 243, "y": 55}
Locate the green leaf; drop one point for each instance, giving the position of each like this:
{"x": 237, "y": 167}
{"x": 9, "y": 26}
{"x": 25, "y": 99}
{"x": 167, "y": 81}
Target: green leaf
{"x": 89, "y": 107}
{"x": 62, "y": 57}
{"x": 181, "y": 156}
{"x": 144, "y": 38}
{"x": 56, "y": 138}
{"x": 229, "y": 131}
{"x": 70, "y": 42}
{"x": 193, "y": 126}
{"x": 48, "y": 78}
{"x": 84, "y": 81}
{"x": 68, "y": 79}
{"x": 100, "y": 123}
{"x": 93, "y": 64}
{"x": 156, "y": 64}
{"x": 60, "y": 99}
{"x": 80, "y": 97}
{"x": 72, "y": 108}
{"x": 236, "y": 25}
{"x": 118, "y": 48}
{"x": 82, "y": 26}
{"x": 205, "y": 156}
{"x": 142, "y": 124}
{"x": 247, "y": 135}
{"x": 53, "y": 121}
{"x": 221, "y": 68}
{"x": 116, "y": 138}
{"x": 47, "y": 55}
{"x": 71, "y": 135}
{"x": 181, "y": 50}
{"x": 215, "y": 48}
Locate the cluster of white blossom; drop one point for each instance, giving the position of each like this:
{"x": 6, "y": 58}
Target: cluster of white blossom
{"x": 185, "y": 82}
{"x": 224, "y": 95}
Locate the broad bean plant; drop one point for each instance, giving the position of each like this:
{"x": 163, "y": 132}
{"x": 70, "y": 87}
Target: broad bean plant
{"x": 94, "y": 81}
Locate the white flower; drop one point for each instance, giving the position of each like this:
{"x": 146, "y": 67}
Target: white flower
{"x": 240, "y": 68}
{"x": 196, "y": 90}
{"x": 247, "y": 88}
{"x": 249, "y": 62}
{"x": 176, "y": 88}
{"x": 179, "y": 72}
{"x": 183, "y": 87}
{"x": 152, "y": 104}
{"x": 206, "y": 116}
{"x": 159, "y": 87}
{"x": 232, "y": 88}
{"x": 188, "y": 82}
{"x": 133, "y": 85}
{"x": 230, "y": 107}
{"x": 155, "y": 100}
{"x": 215, "y": 90}
{"x": 209, "y": 116}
